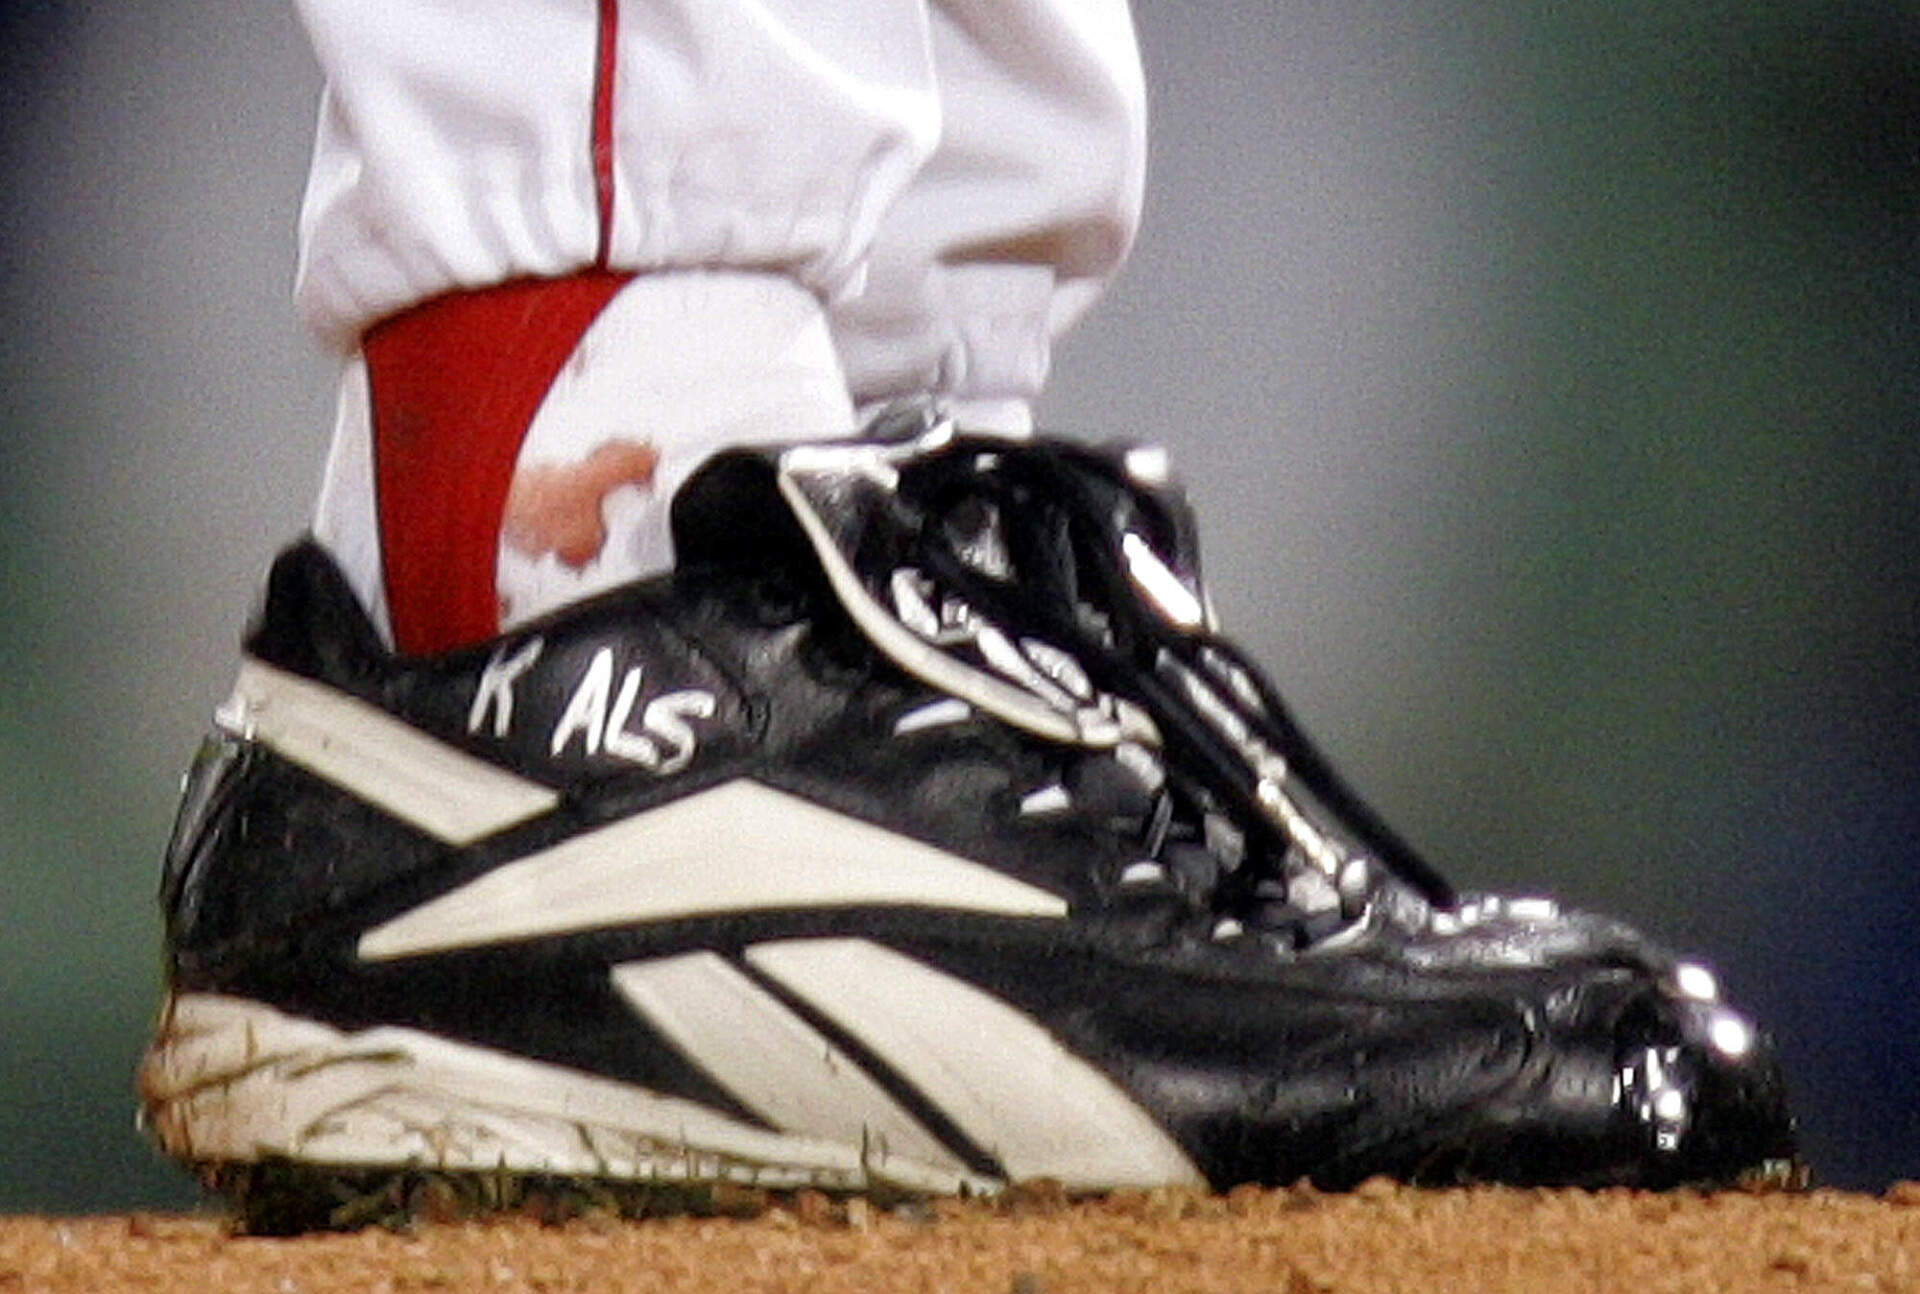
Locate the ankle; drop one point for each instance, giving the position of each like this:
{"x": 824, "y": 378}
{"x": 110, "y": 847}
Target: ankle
{"x": 503, "y": 452}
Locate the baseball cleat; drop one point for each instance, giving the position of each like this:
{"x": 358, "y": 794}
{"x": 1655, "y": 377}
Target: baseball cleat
{"x": 918, "y": 834}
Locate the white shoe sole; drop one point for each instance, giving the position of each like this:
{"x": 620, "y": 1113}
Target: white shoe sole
{"x": 228, "y": 1080}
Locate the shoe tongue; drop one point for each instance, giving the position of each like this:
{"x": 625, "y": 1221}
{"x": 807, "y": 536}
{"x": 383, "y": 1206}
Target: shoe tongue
{"x": 978, "y": 535}
{"x": 876, "y": 513}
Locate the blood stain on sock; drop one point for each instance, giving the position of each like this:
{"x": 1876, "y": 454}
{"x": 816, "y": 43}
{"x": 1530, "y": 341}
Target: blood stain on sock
{"x": 558, "y": 508}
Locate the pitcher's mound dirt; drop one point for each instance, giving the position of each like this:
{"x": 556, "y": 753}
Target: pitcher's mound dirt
{"x": 1381, "y": 1237}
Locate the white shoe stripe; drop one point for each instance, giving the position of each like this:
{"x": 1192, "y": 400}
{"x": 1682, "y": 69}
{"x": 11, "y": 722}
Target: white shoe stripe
{"x": 418, "y": 779}
{"x": 1002, "y": 1078}
{"x": 784, "y": 1071}
{"x": 734, "y": 848}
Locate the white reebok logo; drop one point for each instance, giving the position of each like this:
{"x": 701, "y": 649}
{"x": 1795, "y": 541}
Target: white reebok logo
{"x": 445, "y": 792}
{"x": 736, "y": 847}
{"x": 998, "y": 1075}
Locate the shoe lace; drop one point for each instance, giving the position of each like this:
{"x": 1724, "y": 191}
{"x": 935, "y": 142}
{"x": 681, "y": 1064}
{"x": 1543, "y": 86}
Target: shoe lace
{"x": 1056, "y": 586}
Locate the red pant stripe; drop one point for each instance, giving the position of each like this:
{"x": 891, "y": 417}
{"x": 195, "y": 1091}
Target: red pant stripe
{"x": 603, "y": 77}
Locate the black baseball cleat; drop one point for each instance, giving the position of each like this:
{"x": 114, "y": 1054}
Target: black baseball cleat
{"x": 917, "y": 834}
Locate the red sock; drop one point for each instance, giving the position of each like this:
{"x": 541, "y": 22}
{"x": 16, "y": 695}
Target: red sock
{"x": 455, "y": 383}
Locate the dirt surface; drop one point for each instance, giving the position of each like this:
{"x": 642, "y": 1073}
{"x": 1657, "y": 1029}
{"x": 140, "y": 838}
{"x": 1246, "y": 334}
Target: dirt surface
{"x": 1380, "y": 1238}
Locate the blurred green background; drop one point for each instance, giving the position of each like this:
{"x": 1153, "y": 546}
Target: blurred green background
{"x": 1548, "y": 377}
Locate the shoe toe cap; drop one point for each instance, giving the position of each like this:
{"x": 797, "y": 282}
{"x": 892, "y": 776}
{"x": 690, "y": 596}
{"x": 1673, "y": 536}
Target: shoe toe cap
{"x": 1703, "y": 1089}
{"x": 1637, "y": 1073}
